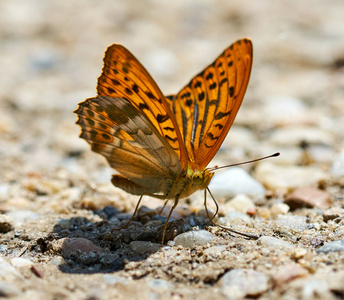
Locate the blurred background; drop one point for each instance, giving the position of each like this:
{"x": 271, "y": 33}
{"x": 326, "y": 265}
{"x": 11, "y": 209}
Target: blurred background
{"x": 51, "y": 55}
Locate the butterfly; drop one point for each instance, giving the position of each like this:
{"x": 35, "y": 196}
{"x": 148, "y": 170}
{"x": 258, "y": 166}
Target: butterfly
{"x": 161, "y": 145}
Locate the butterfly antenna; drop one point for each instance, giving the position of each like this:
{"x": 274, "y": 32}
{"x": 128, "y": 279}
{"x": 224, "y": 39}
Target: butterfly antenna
{"x": 248, "y": 235}
{"x": 245, "y": 162}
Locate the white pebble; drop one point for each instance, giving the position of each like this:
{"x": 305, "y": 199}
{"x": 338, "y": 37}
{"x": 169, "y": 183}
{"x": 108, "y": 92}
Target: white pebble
{"x": 193, "y": 238}
{"x": 239, "y": 283}
{"x": 234, "y": 181}
{"x": 271, "y": 242}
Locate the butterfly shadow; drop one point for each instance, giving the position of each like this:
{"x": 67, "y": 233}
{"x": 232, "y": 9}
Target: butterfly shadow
{"x": 97, "y": 247}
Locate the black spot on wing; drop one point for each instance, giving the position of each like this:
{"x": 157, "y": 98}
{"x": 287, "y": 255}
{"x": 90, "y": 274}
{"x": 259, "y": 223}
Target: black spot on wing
{"x": 209, "y": 76}
{"x": 188, "y": 102}
{"x": 129, "y": 91}
{"x": 143, "y": 106}
{"x": 115, "y": 82}
{"x": 213, "y": 86}
{"x": 162, "y": 118}
{"x": 230, "y": 64}
{"x": 135, "y": 88}
{"x": 201, "y": 96}
{"x": 197, "y": 84}
{"x": 219, "y": 126}
{"x": 221, "y": 115}
{"x": 224, "y": 80}
{"x": 231, "y": 91}
{"x": 150, "y": 95}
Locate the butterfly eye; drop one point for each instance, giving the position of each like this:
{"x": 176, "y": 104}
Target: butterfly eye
{"x": 198, "y": 178}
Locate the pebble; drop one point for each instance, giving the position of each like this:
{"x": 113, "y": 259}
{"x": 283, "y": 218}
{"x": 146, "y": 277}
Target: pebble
{"x": 8, "y": 289}
{"x": 298, "y": 253}
{"x": 292, "y": 222}
{"x": 7, "y": 271}
{"x": 144, "y": 247}
{"x": 282, "y": 110}
{"x": 20, "y": 217}
{"x": 240, "y": 283}
{"x": 337, "y": 168}
{"x": 279, "y": 209}
{"x": 335, "y": 281}
{"x": 284, "y": 178}
{"x": 19, "y": 262}
{"x": 193, "y": 238}
{"x": 235, "y": 217}
{"x": 336, "y": 246}
{"x": 70, "y": 247}
{"x": 114, "y": 279}
{"x": 160, "y": 285}
{"x": 295, "y": 135}
{"x": 5, "y": 224}
{"x": 57, "y": 261}
{"x": 333, "y": 213}
{"x": 272, "y": 242}
{"x": 287, "y": 273}
{"x": 234, "y": 181}
{"x": 315, "y": 289}
{"x": 308, "y": 197}
{"x": 240, "y": 203}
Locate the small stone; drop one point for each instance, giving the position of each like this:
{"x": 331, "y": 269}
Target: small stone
{"x": 159, "y": 285}
{"x": 335, "y": 281}
{"x": 240, "y": 283}
{"x": 19, "y": 262}
{"x": 75, "y": 246}
{"x": 271, "y": 242}
{"x": 7, "y": 271}
{"x": 65, "y": 223}
{"x": 114, "y": 279}
{"x": 234, "y": 181}
{"x": 298, "y": 253}
{"x": 8, "y": 290}
{"x": 279, "y": 209}
{"x": 264, "y": 212}
{"x": 194, "y": 238}
{"x": 316, "y": 289}
{"x": 240, "y": 203}
{"x": 20, "y": 217}
{"x": 144, "y": 247}
{"x": 235, "y": 218}
{"x": 289, "y": 272}
{"x": 333, "y": 213}
{"x": 337, "y": 168}
{"x": 292, "y": 222}
{"x": 276, "y": 177}
{"x": 57, "y": 261}
{"x": 336, "y": 246}
{"x": 308, "y": 197}
{"x": 5, "y": 224}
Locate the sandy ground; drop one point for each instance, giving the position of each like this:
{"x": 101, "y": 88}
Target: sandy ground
{"x": 58, "y": 207}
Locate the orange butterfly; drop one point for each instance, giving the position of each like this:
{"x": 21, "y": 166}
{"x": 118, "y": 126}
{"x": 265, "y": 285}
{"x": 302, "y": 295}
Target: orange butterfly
{"x": 162, "y": 145}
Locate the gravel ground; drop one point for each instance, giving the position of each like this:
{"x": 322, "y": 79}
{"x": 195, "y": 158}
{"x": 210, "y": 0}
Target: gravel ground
{"x": 58, "y": 206}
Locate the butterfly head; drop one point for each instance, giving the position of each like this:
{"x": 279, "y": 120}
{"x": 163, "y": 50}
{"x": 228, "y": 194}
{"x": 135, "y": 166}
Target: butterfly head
{"x": 201, "y": 179}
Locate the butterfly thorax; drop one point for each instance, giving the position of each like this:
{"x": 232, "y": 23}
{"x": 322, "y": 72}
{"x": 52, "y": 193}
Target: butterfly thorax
{"x": 192, "y": 181}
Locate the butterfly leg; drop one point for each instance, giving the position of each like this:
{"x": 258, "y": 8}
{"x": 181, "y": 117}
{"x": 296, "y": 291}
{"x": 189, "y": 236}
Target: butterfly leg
{"x": 206, "y": 208}
{"x": 248, "y": 235}
{"x": 160, "y": 212}
{"x": 168, "y": 218}
{"x": 132, "y": 217}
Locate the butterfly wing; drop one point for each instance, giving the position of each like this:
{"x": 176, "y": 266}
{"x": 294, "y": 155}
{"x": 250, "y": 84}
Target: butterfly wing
{"x": 129, "y": 141}
{"x": 124, "y": 77}
{"x": 206, "y": 108}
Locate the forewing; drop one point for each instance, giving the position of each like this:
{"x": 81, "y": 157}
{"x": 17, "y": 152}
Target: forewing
{"x": 128, "y": 140}
{"x": 124, "y": 77}
{"x": 205, "y": 108}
